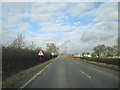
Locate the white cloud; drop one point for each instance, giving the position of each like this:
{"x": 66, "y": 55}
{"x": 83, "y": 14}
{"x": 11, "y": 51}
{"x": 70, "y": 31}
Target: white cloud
{"x": 46, "y": 11}
{"x": 85, "y": 38}
{"x": 98, "y": 36}
{"x": 47, "y": 7}
{"x": 106, "y": 12}
{"x": 79, "y": 9}
{"x": 56, "y": 27}
{"x": 76, "y": 23}
{"x": 41, "y": 40}
{"x": 10, "y": 33}
{"x": 52, "y": 18}
{"x": 60, "y": 1}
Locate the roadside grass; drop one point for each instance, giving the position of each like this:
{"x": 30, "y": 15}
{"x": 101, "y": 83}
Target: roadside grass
{"x": 110, "y": 66}
{"x": 19, "y": 79}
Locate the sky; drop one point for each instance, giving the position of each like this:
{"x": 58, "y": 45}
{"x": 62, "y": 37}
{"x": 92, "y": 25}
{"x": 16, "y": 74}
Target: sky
{"x": 72, "y": 26}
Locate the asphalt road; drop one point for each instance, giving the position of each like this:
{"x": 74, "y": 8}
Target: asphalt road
{"x": 70, "y": 73}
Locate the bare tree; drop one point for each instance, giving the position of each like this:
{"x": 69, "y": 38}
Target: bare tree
{"x": 51, "y": 47}
{"x": 18, "y": 42}
{"x": 32, "y": 46}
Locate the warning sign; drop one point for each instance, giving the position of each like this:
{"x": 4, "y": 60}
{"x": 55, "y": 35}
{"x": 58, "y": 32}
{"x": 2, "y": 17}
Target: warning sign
{"x": 40, "y": 53}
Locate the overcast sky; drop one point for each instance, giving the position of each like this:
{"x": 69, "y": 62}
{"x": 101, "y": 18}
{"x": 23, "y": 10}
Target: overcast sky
{"x": 73, "y": 27}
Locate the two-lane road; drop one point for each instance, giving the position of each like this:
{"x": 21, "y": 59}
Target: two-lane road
{"x": 70, "y": 73}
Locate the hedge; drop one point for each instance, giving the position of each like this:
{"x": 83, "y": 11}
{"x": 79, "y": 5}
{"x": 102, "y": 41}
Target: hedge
{"x": 14, "y": 59}
{"x": 113, "y": 61}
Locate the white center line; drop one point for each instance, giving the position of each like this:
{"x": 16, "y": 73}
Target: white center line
{"x": 86, "y": 74}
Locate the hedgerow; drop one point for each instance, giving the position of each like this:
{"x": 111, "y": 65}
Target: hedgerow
{"x": 17, "y": 59}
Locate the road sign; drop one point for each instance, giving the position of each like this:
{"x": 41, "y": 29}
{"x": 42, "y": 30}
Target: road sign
{"x": 77, "y": 54}
{"x": 40, "y": 53}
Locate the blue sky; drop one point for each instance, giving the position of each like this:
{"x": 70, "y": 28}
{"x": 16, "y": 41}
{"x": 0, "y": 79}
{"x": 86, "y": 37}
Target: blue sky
{"x": 73, "y": 27}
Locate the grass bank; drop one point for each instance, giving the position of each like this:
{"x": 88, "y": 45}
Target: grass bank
{"x": 20, "y": 78}
{"x": 110, "y": 66}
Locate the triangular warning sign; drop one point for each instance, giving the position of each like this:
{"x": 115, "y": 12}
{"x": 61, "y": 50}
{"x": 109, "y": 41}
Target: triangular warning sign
{"x": 40, "y": 53}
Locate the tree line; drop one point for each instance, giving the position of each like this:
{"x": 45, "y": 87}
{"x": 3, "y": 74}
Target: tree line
{"x": 102, "y": 50}
{"x": 110, "y": 51}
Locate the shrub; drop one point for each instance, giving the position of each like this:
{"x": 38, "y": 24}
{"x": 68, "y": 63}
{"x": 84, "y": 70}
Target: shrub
{"x": 114, "y": 61}
{"x": 16, "y": 59}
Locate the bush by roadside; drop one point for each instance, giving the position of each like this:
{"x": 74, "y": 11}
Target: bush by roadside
{"x": 17, "y": 59}
{"x": 113, "y": 61}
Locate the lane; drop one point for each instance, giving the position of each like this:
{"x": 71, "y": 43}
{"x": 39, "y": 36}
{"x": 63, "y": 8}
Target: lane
{"x": 100, "y": 77}
{"x": 70, "y": 73}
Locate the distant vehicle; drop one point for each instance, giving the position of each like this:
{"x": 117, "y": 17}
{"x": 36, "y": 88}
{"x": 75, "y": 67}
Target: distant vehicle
{"x": 87, "y": 55}
{"x": 53, "y": 55}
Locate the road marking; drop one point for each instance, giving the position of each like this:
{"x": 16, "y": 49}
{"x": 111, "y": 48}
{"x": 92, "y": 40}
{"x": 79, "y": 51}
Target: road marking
{"x": 33, "y": 78}
{"x": 47, "y": 66}
{"x": 86, "y": 74}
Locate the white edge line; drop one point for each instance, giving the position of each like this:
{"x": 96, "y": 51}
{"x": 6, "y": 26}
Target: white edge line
{"x": 86, "y": 74}
{"x": 36, "y": 75}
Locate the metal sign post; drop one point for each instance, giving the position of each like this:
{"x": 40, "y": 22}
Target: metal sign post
{"x": 40, "y": 57}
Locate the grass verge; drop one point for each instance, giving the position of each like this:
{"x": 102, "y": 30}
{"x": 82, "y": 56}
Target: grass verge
{"x": 20, "y": 78}
{"x": 110, "y": 66}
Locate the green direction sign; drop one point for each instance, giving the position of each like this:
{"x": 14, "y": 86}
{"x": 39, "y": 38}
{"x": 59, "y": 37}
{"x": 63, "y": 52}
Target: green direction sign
{"x": 77, "y": 54}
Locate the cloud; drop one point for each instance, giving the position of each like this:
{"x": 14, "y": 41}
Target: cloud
{"x": 10, "y": 33}
{"x": 46, "y": 11}
{"x": 41, "y": 40}
{"x": 64, "y": 44}
{"x": 16, "y": 7}
{"x": 60, "y": 1}
{"x": 79, "y": 9}
{"x": 76, "y": 23}
{"x": 97, "y": 36}
{"x": 56, "y": 27}
{"x": 62, "y": 23}
{"x": 106, "y": 12}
